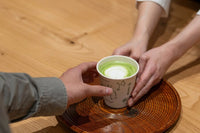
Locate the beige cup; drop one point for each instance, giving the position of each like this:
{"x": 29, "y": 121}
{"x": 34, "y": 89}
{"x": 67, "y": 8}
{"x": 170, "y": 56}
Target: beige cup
{"x": 122, "y": 88}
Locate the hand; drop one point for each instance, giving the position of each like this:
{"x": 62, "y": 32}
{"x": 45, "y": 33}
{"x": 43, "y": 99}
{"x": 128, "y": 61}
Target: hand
{"x": 134, "y": 48}
{"x": 75, "y": 80}
{"x": 153, "y": 65}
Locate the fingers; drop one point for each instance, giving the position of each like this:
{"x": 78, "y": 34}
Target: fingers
{"x": 88, "y": 71}
{"x": 97, "y": 90}
{"x": 149, "y": 78}
{"x": 136, "y": 57}
{"x": 142, "y": 92}
{"x": 142, "y": 63}
{"x": 143, "y": 78}
{"x": 144, "y": 81}
{"x": 84, "y": 67}
{"x": 89, "y": 76}
{"x": 135, "y": 54}
{"x": 122, "y": 51}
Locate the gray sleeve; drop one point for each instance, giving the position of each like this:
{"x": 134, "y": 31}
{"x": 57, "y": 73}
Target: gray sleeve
{"x": 24, "y": 96}
{"x": 4, "y": 120}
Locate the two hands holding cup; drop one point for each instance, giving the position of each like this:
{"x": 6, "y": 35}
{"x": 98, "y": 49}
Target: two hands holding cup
{"x": 116, "y": 90}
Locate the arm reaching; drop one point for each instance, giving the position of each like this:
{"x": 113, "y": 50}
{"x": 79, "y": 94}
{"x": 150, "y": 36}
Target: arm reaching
{"x": 22, "y": 96}
{"x": 149, "y": 14}
{"x": 155, "y": 62}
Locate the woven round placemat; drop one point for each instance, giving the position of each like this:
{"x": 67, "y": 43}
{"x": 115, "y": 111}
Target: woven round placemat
{"x": 155, "y": 112}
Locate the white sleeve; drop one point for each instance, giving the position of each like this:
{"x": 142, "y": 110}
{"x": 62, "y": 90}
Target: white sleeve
{"x": 198, "y": 13}
{"x": 163, "y": 3}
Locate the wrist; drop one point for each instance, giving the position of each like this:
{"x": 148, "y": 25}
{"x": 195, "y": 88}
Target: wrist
{"x": 140, "y": 37}
{"x": 141, "y": 34}
{"x": 172, "y": 51}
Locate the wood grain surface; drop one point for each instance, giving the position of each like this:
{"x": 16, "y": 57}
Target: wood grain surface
{"x": 46, "y": 37}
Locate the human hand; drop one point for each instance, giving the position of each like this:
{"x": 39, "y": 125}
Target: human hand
{"x": 134, "y": 48}
{"x": 153, "y": 65}
{"x": 76, "y": 79}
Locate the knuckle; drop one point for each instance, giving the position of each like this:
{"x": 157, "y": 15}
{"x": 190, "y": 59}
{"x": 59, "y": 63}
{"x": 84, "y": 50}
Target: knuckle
{"x": 143, "y": 79}
{"x": 153, "y": 69}
{"x": 116, "y": 51}
{"x": 143, "y": 57}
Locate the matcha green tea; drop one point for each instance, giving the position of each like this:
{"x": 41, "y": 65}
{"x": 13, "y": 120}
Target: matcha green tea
{"x": 117, "y": 69}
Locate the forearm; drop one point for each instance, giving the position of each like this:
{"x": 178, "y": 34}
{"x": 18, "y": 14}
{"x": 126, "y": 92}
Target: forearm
{"x": 185, "y": 39}
{"x": 25, "y": 96}
{"x": 149, "y": 14}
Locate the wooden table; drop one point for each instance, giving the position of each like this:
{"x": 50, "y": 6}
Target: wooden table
{"x": 46, "y": 37}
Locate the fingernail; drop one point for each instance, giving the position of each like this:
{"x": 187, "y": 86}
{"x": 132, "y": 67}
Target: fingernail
{"x": 108, "y": 91}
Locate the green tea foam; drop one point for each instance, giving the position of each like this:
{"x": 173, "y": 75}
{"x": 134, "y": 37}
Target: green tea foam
{"x": 117, "y": 69}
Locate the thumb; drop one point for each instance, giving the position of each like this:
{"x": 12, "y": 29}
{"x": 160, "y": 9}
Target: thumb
{"x": 97, "y": 90}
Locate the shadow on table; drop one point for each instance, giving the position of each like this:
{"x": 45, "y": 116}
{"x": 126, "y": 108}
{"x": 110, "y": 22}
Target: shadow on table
{"x": 55, "y": 129}
{"x": 172, "y": 22}
{"x": 192, "y": 4}
{"x": 190, "y": 71}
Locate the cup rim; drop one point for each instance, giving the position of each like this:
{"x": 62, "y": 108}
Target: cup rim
{"x": 122, "y": 57}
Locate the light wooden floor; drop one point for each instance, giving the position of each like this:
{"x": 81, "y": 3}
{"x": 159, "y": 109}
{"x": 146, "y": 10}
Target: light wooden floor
{"x": 46, "y": 37}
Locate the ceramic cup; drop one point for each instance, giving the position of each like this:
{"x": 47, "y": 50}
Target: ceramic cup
{"x": 122, "y": 86}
